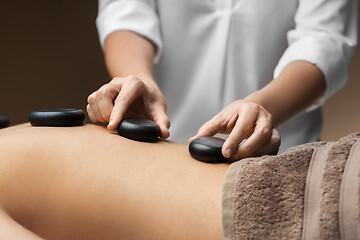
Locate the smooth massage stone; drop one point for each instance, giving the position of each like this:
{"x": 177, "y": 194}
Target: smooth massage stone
{"x": 4, "y": 121}
{"x": 57, "y": 118}
{"x": 207, "y": 149}
{"x": 139, "y": 129}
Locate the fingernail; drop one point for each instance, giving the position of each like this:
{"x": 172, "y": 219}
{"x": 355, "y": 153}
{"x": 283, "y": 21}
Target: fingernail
{"x": 228, "y": 153}
{"x": 111, "y": 123}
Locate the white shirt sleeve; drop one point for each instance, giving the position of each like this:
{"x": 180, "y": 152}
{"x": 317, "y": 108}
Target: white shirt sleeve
{"x": 325, "y": 35}
{"x": 138, "y": 16}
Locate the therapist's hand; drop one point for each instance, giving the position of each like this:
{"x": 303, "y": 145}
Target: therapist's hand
{"x": 128, "y": 97}
{"x": 247, "y": 121}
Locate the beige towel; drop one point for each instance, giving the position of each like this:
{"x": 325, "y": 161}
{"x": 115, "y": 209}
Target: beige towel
{"x": 263, "y": 198}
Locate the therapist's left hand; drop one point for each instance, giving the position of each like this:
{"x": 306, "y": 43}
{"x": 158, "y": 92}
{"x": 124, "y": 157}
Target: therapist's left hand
{"x": 243, "y": 120}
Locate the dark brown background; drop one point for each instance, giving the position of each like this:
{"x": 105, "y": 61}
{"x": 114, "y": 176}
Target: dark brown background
{"x": 50, "y": 58}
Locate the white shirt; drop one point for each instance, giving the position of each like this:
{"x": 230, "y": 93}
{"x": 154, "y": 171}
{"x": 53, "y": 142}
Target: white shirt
{"x": 213, "y": 52}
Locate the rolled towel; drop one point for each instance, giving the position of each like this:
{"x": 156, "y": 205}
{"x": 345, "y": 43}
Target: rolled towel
{"x": 263, "y": 198}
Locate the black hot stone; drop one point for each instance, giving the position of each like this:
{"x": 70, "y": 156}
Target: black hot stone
{"x": 139, "y": 129}
{"x": 207, "y": 149}
{"x": 57, "y": 118}
{"x": 4, "y": 121}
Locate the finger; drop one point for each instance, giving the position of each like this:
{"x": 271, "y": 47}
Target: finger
{"x": 223, "y": 122}
{"x": 164, "y": 130}
{"x": 158, "y": 114}
{"x": 269, "y": 148}
{"x": 210, "y": 128}
{"x": 161, "y": 119}
{"x": 253, "y": 144}
{"x": 105, "y": 107}
{"x": 90, "y": 113}
{"x": 272, "y": 146}
{"x": 127, "y": 95}
{"x": 92, "y": 101}
{"x": 105, "y": 97}
{"x": 163, "y": 122}
{"x": 243, "y": 128}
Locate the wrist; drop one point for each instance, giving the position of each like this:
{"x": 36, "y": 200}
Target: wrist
{"x": 261, "y": 98}
{"x": 147, "y": 77}
{"x": 258, "y": 98}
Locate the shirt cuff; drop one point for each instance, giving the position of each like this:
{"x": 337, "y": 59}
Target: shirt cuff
{"x": 132, "y": 16}
{"x": 329, "y": 54}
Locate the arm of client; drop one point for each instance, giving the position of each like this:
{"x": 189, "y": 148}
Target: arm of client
{"x": 88, "y": 183}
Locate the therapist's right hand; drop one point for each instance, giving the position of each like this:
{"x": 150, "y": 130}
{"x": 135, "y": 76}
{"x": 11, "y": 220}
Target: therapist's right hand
{"x": 128, "y": 96}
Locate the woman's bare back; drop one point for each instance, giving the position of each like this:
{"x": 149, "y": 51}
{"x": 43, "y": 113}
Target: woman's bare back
{"x": 88, "y": 183}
